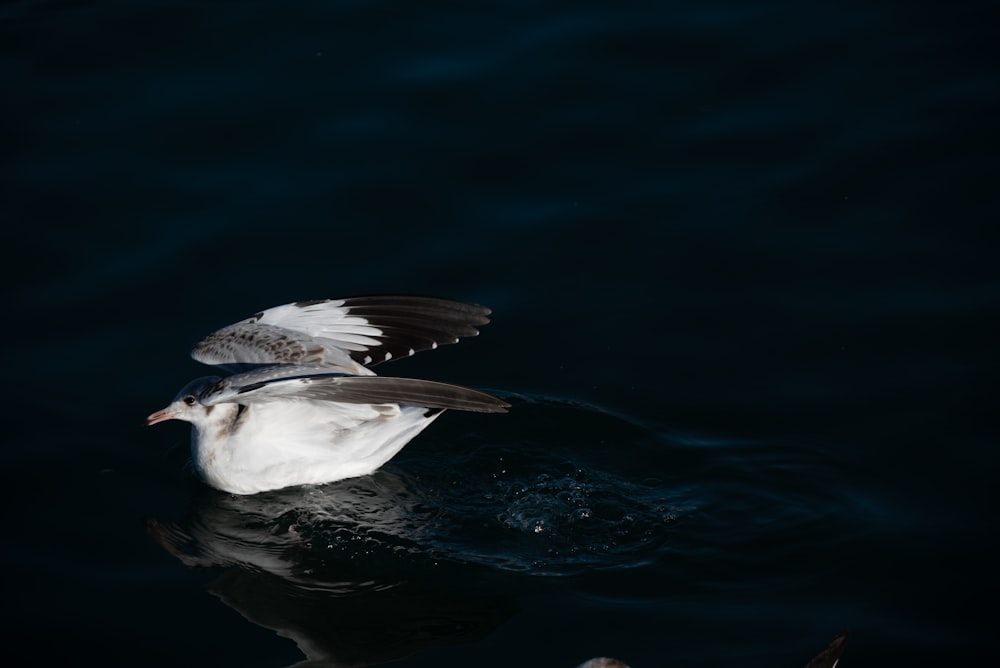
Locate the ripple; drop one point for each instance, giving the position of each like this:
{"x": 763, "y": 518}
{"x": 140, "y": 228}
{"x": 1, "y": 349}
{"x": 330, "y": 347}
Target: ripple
{"x": 552, "y": 515}
{"x": 557, "y": 489}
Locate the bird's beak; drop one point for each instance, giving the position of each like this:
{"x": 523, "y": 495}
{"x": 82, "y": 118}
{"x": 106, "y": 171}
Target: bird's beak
{"x": 161, "y": 416}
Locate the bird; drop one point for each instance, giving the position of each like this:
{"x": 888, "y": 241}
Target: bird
{"x": 301, "y": 405}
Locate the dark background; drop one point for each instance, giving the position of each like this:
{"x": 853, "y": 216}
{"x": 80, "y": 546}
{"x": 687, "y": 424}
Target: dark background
{"x": 742, "y": 263}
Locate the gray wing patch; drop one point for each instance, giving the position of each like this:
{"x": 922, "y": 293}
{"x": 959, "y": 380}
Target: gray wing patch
{"x": 243, "y": 387}
{"x": 249, "y": 343}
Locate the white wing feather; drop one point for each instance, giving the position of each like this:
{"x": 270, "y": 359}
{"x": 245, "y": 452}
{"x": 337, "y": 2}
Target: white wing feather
{"x": 345, "y": 335}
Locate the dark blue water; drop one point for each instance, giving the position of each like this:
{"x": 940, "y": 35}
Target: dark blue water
{"x": 743, "y": 269}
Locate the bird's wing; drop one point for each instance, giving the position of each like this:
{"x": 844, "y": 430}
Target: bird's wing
{"x": 830, "y": 656}
{"x": 345, "y": 335}
{"x": 317, "y": 384}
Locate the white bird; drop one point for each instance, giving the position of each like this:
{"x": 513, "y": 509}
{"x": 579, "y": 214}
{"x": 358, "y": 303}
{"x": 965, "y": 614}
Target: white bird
{"x": 303, "y": 407}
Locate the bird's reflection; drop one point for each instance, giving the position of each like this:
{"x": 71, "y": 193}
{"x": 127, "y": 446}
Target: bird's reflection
{"x": 340, "y": 569}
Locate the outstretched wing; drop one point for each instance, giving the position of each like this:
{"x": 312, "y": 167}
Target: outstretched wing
{"x": 317, "y": 384}
{"x": 345, "y": 335}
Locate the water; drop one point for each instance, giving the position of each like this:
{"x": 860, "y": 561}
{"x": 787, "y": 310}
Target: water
{"x": 742, "y": 266}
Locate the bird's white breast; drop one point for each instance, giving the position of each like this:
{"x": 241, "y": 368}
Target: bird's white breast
{"x": 279, "y": 444}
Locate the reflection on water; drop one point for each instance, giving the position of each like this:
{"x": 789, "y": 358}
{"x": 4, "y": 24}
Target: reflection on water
{"x": 286, "y": 566}
{"x": 364, "y": 628}
{"x": 375, "y": 568}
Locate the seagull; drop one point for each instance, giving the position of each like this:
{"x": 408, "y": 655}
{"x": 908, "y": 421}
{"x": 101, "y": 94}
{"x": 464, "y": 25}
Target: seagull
{"x": 302, "y": 405}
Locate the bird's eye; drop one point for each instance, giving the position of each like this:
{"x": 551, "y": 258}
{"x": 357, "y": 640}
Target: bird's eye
{"x": 190, "y": 400}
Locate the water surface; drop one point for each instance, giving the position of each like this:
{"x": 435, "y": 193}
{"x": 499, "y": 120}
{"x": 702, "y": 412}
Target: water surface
{"x": 742, "y": 269}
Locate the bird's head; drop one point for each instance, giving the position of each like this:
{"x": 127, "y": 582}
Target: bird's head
{"x": 187, "y": 404}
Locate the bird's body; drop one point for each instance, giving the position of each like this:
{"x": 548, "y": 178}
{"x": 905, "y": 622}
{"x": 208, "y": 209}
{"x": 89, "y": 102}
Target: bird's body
{"x": 301, "y": 442}
{"x": 303, "y": 407}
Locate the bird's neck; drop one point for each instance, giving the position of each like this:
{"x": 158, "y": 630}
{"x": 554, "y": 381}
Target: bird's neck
{"x": 212, "y": 434}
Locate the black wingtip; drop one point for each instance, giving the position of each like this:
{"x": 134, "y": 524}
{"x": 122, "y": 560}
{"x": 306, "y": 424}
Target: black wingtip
{"x": 499, "y": 407}
{"x": 829, "y": 657}
{"x": 412, "y": 323}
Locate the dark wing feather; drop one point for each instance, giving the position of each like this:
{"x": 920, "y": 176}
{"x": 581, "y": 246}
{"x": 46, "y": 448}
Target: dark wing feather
{"x": 830, "y": 656}
{"x": 412, "y": 391}
{"x": 412, "y": 324}
{"x": 287, "y": 383}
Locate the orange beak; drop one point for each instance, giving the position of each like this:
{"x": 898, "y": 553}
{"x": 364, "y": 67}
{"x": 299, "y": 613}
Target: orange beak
{"x": 161, "y": 416}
